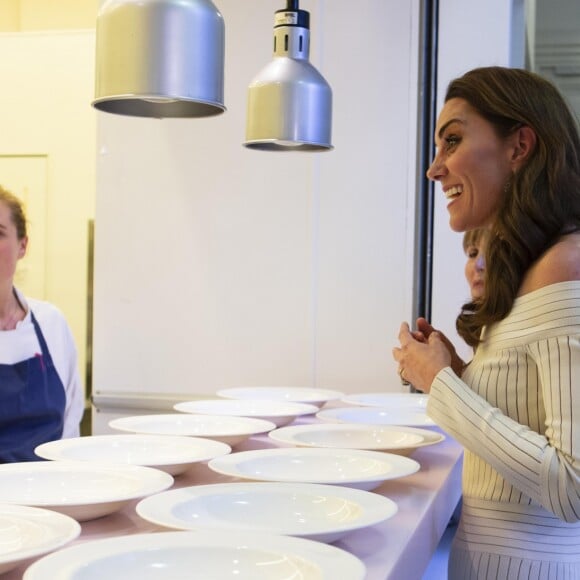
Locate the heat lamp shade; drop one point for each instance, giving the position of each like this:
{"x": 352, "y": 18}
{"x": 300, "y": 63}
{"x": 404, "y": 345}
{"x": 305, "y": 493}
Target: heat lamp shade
{"x": 160, "y": 58}
{"x": 289, "y": 108}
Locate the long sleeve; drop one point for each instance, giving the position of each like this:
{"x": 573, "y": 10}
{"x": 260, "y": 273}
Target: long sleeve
{"x": 517, "y": 411}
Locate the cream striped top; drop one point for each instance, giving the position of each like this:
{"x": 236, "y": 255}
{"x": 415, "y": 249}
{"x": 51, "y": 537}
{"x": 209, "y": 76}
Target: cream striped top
{"x": 516, "y": 410}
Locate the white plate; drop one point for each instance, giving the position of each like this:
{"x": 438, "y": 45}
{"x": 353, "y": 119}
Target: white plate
{"x": 172, "y": 454}
{"x": 377, "y": 416}
{"x": 78, "y": 489}
{"x": 401, "y": 440}
{"x": 229, "y": 430}
{"x": 278, "y": 412}
{"x": 351, "y": 467}
{"x": 204, "y": 554}
{"x": 28, "y": 532}
{"x": 308, "y": 510}
{"x": 292, "y": 394}
{"x": 414, "y": 401}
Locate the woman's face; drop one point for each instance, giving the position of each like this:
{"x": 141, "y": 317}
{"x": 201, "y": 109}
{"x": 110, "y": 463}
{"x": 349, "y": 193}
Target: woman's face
{"x": 11, "y": 248}
{"x": 475, "y": 268}
{"x": 472, "y": 164}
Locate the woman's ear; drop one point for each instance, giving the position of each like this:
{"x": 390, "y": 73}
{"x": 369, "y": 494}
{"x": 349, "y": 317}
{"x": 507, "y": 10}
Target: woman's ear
{"x": 23, "y": 245}
{"x": 524, "y": 143}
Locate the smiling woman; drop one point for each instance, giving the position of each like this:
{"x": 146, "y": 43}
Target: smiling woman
{"x": 473, "y": 163}
{"x": 509, "y": 159}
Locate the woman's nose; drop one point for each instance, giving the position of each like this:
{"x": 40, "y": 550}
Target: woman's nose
{"x": 480, "y": 263}
{"x": 436, "y": 169}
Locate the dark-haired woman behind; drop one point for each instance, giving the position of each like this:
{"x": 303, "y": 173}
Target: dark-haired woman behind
{"x": 508, "y": 159}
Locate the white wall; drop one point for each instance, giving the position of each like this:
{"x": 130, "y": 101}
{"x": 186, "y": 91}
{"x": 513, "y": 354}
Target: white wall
{"x": 220, "y": 266}
{"x": 28, "y": 15}
{"x": 47, "y": 155}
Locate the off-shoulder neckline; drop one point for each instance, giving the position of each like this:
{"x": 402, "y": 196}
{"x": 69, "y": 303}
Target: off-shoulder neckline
{"x": 556, "y": 286}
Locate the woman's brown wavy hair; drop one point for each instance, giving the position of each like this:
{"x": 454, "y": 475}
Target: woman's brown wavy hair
{"x": 541, "y": 201}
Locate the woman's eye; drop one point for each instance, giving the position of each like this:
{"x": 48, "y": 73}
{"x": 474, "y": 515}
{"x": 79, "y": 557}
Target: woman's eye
{"x": 451, "y": 141}
{"x": 472, "y": 252}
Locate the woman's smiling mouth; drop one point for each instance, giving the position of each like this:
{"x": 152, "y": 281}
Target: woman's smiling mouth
{"x": 453, "y": 192}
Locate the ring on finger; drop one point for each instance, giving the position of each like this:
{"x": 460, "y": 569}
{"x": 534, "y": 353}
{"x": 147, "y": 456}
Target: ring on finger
{"x": 404, "y": 381}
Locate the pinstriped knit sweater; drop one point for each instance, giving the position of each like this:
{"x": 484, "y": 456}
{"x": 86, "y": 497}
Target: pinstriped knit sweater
{"x": 516, "y": 410}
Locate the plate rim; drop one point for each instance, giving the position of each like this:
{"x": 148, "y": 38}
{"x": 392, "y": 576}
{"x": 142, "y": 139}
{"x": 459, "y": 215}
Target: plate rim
{"x": 262, "y": 425}
{"x": 50, "y": 449}
{"x": 295, "y": 410}
{"x": 47, "y": 517}
{"x": 66, "y": 562}
{"x": 327, "y": 394}
{"x": 329, "y": 415}
{"x": 376, "y": 508}
{"x": 430, "y": 437}
{"x": 149, "y": 474}
{"x": 354, "y": 398}
{"x": 217, "y": 464}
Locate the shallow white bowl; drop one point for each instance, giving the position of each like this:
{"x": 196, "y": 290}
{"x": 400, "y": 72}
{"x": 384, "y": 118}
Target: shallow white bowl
{"x": 357, "y": 468}
{"x": 78, "y": 489}
{"x": 173, "y": 454}
{"x": 204, "y": 554}
{"x": 308, "y": 395}
{"x": 28, "y": 532}
{"x": 415, "y": 401}
{"x": 229, "y": 430}
{"x": 400, "y": 440}
{"x": 318, "y": 512}
{"x": 278, "y": 412}
{"x": 377, "y": 416}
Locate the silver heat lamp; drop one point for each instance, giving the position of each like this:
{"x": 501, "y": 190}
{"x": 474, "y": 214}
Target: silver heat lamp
{"x": 160, "y": 58}
{"x": 289, "y": 101}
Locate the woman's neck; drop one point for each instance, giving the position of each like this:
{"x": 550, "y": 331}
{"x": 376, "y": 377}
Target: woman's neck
{"x": 6, "y": 297}
{"x": 11, "y": 311}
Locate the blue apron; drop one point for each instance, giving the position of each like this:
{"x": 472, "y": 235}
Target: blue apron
{"x": 32, "y": 404}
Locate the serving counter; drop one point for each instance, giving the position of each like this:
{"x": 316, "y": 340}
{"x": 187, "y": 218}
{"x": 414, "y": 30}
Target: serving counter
{"x": 397, "y": 549}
